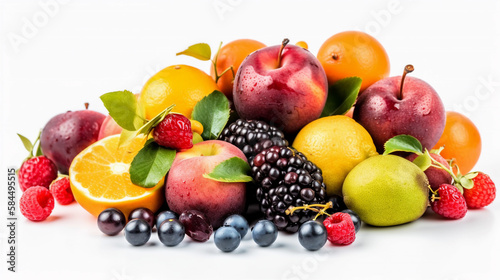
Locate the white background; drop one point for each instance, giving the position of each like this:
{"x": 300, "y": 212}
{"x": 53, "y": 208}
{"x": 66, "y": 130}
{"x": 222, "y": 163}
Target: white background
{"x": 56, "y": 57}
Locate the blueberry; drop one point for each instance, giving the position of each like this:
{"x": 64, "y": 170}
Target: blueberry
{"x": 312, "y": 235}
{"x": 264, "y": 233}
{"x": 227, "y": 239}
{"x": 137, "y": 232}
{"x": 111, "y": 221}
{"x": 171, "y": 232}
{"x": 238, "y": 222}
{"x": 165, "y": 215}
{"x": 355, "y": 219}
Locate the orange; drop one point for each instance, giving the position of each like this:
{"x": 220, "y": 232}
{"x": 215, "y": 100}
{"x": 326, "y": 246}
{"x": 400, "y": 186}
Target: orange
{"x": 233, "y": 54}
{"x": 302, "y": 44}
{"x": 100, "y": 179}
{"x": 181, "y": 85}
{"x": 461, "y": 141}
{"x": 354, "y": 53}
{"x": 336, "y": 144}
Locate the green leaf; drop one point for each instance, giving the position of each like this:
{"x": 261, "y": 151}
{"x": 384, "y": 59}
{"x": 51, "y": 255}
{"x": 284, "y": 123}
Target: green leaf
{"x": 471, "y": 175}
{"x": 403, "y": 143}
{"x": 200, "y": 51}
{"x": 122, "y": 106}
{"x": 126, "y": 136}
{"x": 213, "y": 113}
{"x": 27, "y": 143}
{"x": 230, "y": 171}
{"x": 341, "y": 96}
{"x": 39, "y": 151}
{"x": 151, "y": 164}
{"x": 466, "y": 183}
{"x": 423, "y": 161}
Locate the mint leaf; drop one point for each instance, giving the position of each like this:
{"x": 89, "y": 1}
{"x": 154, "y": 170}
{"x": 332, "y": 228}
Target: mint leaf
{"x": 403, "y": 143}
{"x": 122, "y": 106}
{"x": 230, "y": 171}
{"x": 213, "y": 113}
{"x": 27, "y": 143}
{"x": 341, "y": 96}
{"x": 199, "y": 51}
{"x": 151, "y": 164}
{"x": 423, "y": 161}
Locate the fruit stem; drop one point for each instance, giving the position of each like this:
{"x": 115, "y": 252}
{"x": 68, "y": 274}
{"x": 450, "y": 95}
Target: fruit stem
{"x": 311, "y": 207}
{"x": 214, "y": 62}
{"x": 408, "y": 69}
{"x": 86, "y": 105}
{"x": 217, "y": 77}
{"x": 283, "y": 45}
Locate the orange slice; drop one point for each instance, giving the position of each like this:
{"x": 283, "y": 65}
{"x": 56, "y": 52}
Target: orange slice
{"x": 100, "y": 178}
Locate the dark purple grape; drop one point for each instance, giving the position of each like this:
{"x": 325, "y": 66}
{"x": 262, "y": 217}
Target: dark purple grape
{"x": 196, "y": 225}
{"x": 143, "y": 214}
{"x": 111, "y": 221}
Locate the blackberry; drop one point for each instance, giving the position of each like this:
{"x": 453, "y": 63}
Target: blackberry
{"x": 252, "y": 136}
{"x": 284, "y": 178}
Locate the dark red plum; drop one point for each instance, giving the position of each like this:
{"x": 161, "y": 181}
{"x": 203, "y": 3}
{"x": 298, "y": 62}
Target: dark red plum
{"x": 435, "y": 175}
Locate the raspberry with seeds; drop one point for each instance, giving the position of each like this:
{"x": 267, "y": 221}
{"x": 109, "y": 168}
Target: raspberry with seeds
{"x": 340, "y": 229}
{"x": 448, "y": 202}
{"x": 174, "y": 131}
{"x": 36, "y": 203}
{"x": 37, "y": 171}
{"x": 61, "y": 190}
{"x": 482, "y": 194}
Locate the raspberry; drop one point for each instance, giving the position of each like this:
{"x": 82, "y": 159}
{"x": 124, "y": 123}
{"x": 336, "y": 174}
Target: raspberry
{"x": 448, "y": 202}
{"x": 36, "y": 203}
{"x": 482, "y": 194}
{"x": 61, "y": 190}
{"x": 37, "y": 171}
{"x": 174, "y": 132}
{"x": 340, "y": 229}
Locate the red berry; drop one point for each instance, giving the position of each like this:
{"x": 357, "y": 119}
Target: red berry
{"x": 37, "y": 171}
{"x": 61, "y": 190}
{"x": 340, "y": 229}
{"x": 482, "y": 194}
{"x": 36, "y": 203}
{"x": 449, "y": 202}
{"x": 174, "y": 132}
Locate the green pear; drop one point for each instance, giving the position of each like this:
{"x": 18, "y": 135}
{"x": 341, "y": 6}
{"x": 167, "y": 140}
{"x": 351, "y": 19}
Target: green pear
{"x": 386, "y": 190}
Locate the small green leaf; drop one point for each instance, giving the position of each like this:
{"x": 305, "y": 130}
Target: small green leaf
{"x": 126, "y": 136}
{"x": 341, "y": 96}
{"x": 151, "y": 164}
{"x": 213, "y": 113}
{"x": 199, "y": 51}
{"x": 39, "y": 151}
{"x": 471, "y": 175}
{"x": 466, "y": 183}
{"x": 230, "y": 171}
{"x": 403, "y": 143}
{"x": 122, "y": 106}
{"x": 27, "y": 143}
{"x": 423, "y": 161}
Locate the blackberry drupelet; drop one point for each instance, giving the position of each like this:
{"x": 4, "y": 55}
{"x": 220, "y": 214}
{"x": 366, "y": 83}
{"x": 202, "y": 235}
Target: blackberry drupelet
{"x": 252, "y": 136}
{"x": 284, "y": 178}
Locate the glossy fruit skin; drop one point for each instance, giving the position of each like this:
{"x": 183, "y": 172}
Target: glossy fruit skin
{"x": 196, "y": 225}
{"x": 165, "y": 215}
{"x": 174, "y": 132}
{"x": 61, "y": 190}
{"x": 67, "y": 134}
{"x": 435, "y": 175}
{"x": 287, "y": 96}
{"x": 232, "y": 54}
{"x": 340, "y": 229}
{"x": 36, "y": 171}
{"x": 238, "y": 222}
{"x": 461, "y": 140}
{"x": 356, "y": 220}
{"x": 312, "y": 235}
{"x": 264, "y": 233}
{"x": 143, "y": 214}
{"x": 482, "y": 194}
{"x": 109, "y": 127}
{"x": 227, "y": 239}
{"x": 137, "y": 232}
{"x": 181, "y": 85}
{"x": 354, "y": 53}
{"x": 337, "y": 204}
{"x": 451, "y": 203}
{"x": 36, "y": 203}
{"x": 171, "y": 232}
{"x": 111, "y": 221}
{"x": 419, "y": 113}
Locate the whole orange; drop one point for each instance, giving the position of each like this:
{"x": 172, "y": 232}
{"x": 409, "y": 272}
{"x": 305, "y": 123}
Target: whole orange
{"x": 232, "y": 54}
{"x": 461, "y": 141}
{"x": 354, "y": 53}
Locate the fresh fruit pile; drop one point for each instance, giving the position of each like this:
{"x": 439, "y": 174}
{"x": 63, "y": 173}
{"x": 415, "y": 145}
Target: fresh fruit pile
{"x": 192, "y": 152}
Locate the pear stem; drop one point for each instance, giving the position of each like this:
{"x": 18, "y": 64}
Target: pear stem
{"x": 283, "y": 45}
{"x": 408, "y": 69}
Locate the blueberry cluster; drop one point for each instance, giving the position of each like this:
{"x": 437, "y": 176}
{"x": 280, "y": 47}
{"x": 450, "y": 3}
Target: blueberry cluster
{"x": 250, "y": 136}
{"x": 285, "y": 178}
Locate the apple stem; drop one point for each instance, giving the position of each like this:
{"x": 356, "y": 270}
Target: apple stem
{"x": 86, "y": 105}
{"x": 408, "y": 69}
{"x": 283, "y": 45}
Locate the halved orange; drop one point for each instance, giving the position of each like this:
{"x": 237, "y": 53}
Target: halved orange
{"x": 100, "y": 178}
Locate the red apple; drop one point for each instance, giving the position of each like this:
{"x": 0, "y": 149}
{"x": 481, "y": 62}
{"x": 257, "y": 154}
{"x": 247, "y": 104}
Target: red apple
{"x": 187, "y": 189}
{"x": 109, "y": 127}
{"x": 435, "y": 175}
{"x": 282, "y": 85}
{"x": 396, "y": 105}
{"x": 67, "y": 134}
